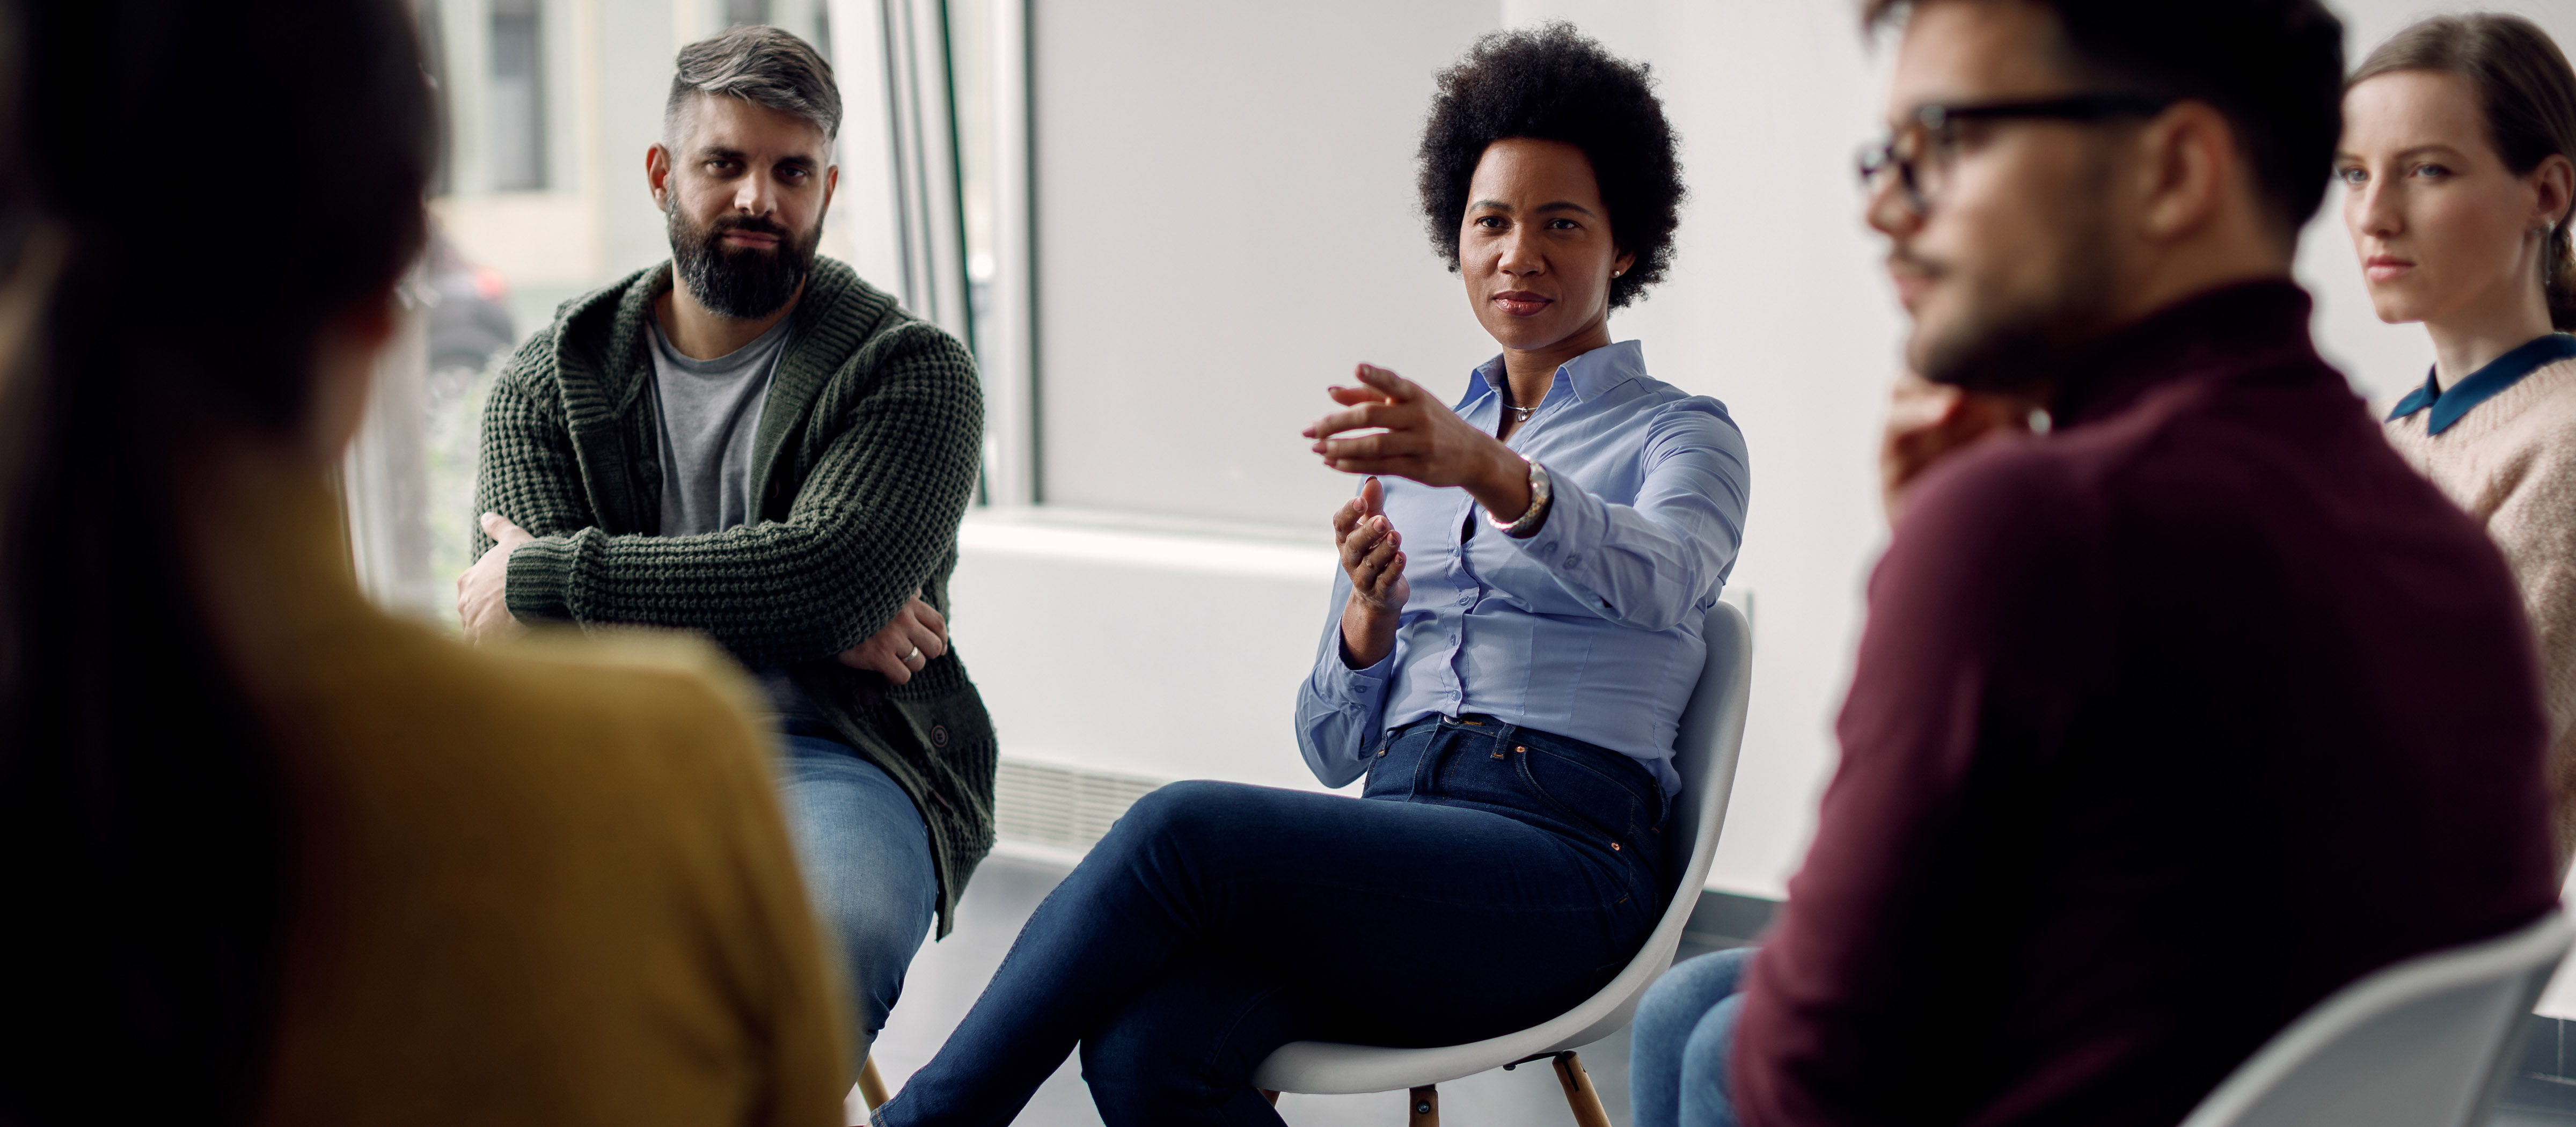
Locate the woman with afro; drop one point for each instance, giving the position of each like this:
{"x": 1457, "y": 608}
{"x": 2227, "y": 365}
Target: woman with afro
{"x": 1514, "y": 632}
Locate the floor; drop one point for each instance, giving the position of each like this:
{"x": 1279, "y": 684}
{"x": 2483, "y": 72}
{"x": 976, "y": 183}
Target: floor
{"x": 948, "y": 975}
{"x": 2540, "y": 1093}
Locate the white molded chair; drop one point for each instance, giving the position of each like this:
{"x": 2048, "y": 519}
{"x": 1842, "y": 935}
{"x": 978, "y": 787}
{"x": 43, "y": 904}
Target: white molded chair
{"x": 2423, "y": 1043}
{"x": 1704, "y": 753}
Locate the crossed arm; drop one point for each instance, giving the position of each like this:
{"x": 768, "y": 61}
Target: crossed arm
{"x": 843, "y": 575}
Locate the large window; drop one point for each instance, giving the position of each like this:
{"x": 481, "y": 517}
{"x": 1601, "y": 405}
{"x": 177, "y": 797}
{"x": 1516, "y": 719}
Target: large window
{"x": 514, "y": 99}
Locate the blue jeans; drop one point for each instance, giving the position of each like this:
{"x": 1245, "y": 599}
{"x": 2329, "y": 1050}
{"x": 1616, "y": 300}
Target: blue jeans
{"x": 866, "y": 860}
{"x": 1491, "y": 878}
{"x": 1681, "y": 1042}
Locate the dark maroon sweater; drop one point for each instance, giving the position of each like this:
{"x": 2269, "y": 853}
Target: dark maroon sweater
{"x": 2165, "y": 725}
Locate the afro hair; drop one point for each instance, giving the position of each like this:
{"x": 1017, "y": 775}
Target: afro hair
{"x": 1553, "y": 83}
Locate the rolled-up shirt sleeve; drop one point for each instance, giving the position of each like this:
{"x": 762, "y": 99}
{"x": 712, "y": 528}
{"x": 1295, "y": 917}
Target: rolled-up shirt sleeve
{"x": 1339, "y": 709}
{"x": 1662, "y": 560}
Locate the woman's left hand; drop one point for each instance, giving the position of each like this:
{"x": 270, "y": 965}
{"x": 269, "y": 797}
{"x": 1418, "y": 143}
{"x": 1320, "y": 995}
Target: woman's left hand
{"x": 1424, "y": 441}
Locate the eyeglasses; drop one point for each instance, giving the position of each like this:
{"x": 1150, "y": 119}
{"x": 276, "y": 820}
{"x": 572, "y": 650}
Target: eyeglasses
{"x": 1919, "y": 154}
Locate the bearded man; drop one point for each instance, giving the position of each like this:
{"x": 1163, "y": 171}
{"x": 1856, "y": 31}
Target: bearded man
{"x": 750, "y": 442}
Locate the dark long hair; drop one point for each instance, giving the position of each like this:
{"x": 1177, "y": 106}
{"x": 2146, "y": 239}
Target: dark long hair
{"x": 221, "y": 178}
{"x": 2529, "y": 94}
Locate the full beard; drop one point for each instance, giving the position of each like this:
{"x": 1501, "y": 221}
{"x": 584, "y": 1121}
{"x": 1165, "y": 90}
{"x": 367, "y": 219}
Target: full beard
{"x": 2023, "y": 344}
{"x": 744, "y": 283}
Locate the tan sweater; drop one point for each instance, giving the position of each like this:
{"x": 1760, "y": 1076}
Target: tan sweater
{"x": 2511, "y": 462}
{"x": 541, "y": 883}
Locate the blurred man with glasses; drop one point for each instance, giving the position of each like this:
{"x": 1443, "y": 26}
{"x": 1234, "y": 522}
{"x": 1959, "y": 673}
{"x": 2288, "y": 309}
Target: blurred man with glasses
{"x": 2181, "y": 704}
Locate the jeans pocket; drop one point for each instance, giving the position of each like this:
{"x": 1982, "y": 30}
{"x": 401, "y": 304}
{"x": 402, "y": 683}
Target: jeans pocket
{"x": 1585, "y": 793}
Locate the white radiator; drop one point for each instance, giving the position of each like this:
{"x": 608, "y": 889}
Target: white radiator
{"x": 1059, "y": 807}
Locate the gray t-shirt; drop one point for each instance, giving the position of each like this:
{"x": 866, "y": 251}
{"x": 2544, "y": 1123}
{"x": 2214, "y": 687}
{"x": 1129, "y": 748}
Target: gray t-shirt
{"x": 710, "y": 410}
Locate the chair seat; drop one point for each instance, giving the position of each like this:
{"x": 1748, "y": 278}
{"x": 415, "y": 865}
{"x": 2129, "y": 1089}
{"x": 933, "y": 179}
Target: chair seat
{"x": 1327, "y": 1068}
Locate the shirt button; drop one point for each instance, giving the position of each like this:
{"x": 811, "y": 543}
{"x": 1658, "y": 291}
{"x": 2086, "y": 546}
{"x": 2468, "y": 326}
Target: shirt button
{"x": 1573, "y": 559}
{"x": 1466, "y": 598}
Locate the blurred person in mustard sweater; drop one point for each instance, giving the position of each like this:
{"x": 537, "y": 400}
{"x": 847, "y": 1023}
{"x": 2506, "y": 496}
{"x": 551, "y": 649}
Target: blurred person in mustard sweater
{"x": 271, "y": 855}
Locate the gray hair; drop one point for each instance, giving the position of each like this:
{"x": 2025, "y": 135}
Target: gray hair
{"x": 761, "y": 65}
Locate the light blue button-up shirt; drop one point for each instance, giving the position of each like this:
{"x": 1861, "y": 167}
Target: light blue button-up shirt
{"x": 1591, "y": 628}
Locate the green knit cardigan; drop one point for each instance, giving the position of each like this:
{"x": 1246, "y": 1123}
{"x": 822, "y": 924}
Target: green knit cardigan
{"x": 866, "y": 455}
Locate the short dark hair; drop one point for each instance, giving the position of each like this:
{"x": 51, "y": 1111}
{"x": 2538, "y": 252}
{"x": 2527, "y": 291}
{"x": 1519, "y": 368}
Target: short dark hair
{"x": 1553, "y": 83}
{"x": 2273, "y": 67}
{"x": 2529, "y": 94}
{"x": 759, "y": 64}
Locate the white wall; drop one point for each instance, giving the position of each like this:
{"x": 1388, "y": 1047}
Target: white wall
{"x": 1224, "y": 228}
{"x": 1137, "y": 649}
{"x": 1225, "y": 224}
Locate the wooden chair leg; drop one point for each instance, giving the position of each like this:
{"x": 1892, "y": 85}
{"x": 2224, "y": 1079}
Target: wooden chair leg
{"x": 871, "y": 1086}
{"x": 1579, "y": 1094}
{"x": 1425, "y": 1105}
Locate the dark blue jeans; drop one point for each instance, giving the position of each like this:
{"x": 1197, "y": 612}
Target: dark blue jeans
{"x": 1492, "y": 878}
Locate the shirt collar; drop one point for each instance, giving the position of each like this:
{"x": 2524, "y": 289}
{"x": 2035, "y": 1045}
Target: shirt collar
{"x": 1585, "y": 377}
{"x": 2482, "y": 385}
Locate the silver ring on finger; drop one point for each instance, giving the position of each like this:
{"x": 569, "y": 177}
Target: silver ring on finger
{"x": 915, "y": 655}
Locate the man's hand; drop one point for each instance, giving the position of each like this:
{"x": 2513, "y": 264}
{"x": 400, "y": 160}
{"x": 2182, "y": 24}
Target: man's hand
{"x": 1424, "y": 441}
{"x": 1373, "y": 554}
{"x": 481, "y": 602}
{"x": 1927, "y": 422}
{"x": 904, "y": 646}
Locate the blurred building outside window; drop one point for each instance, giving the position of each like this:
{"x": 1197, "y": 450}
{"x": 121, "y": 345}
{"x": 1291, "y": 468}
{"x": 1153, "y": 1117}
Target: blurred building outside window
{"x": 515, "y": 102}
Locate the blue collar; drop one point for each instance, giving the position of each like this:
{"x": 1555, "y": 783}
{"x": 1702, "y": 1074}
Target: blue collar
{"x": 2484, "y": 384}
{"x": 1583, "y": 377}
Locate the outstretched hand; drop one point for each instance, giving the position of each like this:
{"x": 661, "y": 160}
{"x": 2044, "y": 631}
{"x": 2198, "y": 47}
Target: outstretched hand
{"x": 1421, "y": 439}
{"x": 1927, "y": 422}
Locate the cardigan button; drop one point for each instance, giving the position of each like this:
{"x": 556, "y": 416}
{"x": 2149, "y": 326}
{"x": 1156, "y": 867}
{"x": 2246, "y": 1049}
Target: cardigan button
{"x": 938, "y": 735}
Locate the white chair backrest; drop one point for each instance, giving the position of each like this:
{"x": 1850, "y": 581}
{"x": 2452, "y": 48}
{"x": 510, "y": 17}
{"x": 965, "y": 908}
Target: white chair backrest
{"x": 1704, "y": 755}
{"x": 2418, "y": 1044}
{"x": 1705, "y": 750}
